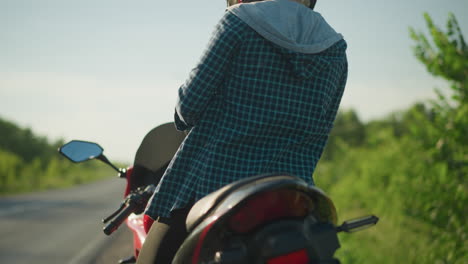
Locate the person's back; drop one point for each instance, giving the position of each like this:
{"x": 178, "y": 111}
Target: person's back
{"x": 263, "y": 99}
{"x": 278, "y": 104}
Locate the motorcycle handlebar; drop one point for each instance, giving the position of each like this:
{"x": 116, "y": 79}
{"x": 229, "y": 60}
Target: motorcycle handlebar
{"x": 117, "y": 221}
{"x": 135, "y": 203}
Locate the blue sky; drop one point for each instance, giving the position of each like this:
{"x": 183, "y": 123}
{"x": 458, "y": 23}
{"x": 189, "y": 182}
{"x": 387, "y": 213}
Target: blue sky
{"x": 109, "y": 70}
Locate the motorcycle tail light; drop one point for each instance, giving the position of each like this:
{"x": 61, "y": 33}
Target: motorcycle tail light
{"x": 270, "y": 206}
{"x": 259, "y": 210}
{"x": 297, "y": 257}
{"x": 147, "y": 223}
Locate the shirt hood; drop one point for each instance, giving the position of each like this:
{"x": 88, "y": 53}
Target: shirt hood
{"x": 288, "y": 24}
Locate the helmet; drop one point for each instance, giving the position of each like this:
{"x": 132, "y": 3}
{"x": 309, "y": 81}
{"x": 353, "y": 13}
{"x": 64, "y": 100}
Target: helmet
{"x": 308, "y": 3}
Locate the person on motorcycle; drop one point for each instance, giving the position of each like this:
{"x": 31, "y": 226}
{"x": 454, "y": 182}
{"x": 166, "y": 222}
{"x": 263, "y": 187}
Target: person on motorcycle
{"x": 262, "y": 99}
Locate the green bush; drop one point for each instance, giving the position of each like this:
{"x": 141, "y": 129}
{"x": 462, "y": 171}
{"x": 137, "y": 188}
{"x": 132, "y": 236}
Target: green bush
{"x": 409, "y": 169}
{"x": 30, "y": 163}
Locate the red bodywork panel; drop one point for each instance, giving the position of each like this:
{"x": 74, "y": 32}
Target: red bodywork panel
{"x": 135, "y": 223}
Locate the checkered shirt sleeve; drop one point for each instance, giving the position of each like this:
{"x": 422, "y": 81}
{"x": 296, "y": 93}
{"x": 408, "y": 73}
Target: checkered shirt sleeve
{"x": 207, "y": 77}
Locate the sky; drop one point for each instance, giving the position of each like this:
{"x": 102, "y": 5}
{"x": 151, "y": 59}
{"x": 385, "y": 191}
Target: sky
{"x": 108, "y": 70}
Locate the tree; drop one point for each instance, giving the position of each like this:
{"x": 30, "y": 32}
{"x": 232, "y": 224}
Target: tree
{"x": 347, "y": 130}
{"x": 445, "y": 137}
{"x": 449, "y": 57}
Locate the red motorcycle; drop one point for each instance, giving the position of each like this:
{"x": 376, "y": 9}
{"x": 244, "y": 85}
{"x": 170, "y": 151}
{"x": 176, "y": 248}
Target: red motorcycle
{"x": 273, "y": 219}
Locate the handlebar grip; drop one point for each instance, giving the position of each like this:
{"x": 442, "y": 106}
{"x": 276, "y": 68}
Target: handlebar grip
{"x": 116, "y": 222}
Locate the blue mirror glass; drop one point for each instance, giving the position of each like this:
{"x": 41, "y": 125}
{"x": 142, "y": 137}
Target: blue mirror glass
{"x": 79, "y": 151}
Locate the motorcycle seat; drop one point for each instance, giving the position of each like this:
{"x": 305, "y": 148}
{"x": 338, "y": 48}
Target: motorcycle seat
{"x": 205, "y": 206}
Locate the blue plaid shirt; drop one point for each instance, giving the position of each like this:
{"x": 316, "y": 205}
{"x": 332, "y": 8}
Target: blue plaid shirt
{"x": 251, "y": 107}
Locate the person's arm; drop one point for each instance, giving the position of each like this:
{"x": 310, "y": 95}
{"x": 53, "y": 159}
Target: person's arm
{"x": 336, "y": 99}
{"x": 207, "y": 77}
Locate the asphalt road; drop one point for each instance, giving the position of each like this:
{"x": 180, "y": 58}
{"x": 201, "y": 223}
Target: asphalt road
{"x": 63, "y": 226}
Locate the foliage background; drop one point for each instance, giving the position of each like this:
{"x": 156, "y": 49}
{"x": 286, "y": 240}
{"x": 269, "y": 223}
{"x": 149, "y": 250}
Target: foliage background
{"x": 30, "y": 163}
{"x": 409, "y": 169}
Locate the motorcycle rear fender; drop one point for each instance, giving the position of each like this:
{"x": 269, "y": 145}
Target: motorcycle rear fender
{"x": 215, "y": 209}
{"x": 232, "y": 194}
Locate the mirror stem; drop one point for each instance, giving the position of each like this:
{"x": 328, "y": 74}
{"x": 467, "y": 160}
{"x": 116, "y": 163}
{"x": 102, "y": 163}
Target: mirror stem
{"x": 105, "y": 160}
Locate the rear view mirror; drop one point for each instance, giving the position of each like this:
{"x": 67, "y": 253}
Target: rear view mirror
{"x": 79, "y": 151}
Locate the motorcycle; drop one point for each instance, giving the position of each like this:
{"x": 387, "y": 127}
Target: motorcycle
{"x": 274, "y": 218}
